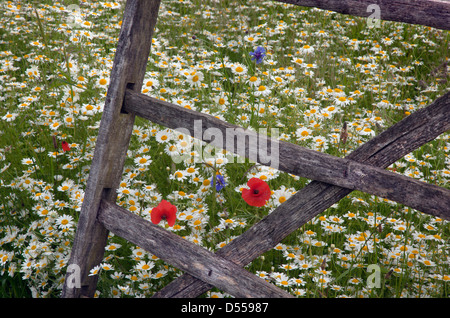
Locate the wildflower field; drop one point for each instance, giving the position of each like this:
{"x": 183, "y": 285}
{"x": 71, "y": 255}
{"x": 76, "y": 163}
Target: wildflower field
{"x": 256, "y": 64}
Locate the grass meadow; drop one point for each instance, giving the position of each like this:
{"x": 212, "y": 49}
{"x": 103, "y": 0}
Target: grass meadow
{"x": 319, "y": 69}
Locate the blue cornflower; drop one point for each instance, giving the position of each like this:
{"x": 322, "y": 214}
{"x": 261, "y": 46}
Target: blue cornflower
{"x": 220, "y": 182}
{"x": 259, "y": 54}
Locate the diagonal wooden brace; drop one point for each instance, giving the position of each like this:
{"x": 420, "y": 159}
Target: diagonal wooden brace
{"x": 405, "y": 136}
{"x": 185, "y": 255}
{"x": 99, "y": 214}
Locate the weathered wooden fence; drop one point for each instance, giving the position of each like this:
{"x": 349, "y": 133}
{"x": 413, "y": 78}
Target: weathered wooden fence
{"x": 334, "y": 178}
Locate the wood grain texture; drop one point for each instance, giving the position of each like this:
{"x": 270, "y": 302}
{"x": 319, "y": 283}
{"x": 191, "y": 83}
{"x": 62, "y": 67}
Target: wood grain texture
{"x": 297, "y": 160}
{"x": 433, "y": 13}
{"x": 116, "y": 126}
{"x": 186, "y": 255}
{"x": 112, "y": 142}
{"x": 316, "y": 197}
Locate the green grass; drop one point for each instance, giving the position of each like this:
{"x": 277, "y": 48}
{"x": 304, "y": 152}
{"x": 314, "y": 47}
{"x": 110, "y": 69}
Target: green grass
{"x": 370, "y": 78}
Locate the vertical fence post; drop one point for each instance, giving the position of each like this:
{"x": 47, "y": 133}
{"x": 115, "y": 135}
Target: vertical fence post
{"x": 114, "y": 135}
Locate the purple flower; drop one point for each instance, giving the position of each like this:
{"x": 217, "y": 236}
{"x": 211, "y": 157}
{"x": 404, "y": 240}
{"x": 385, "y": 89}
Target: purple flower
{"x": 220, "y": 182}
{"x": 258, "y": 55}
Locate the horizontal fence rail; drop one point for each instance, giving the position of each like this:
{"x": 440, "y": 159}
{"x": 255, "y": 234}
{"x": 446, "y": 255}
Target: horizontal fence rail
{"x": 433, "y": 13}
{"x": 295, "y": 159}
{"x": 333, "y": 178}
{"x": 397, "y": 141}
{"x": 185, "y": 255}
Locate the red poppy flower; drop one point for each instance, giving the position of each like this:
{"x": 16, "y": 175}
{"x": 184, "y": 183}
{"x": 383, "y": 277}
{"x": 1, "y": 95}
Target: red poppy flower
{"x": 164, "y": 211}
{"x": 258, "y": 194}
{"x": 65, "y": 146}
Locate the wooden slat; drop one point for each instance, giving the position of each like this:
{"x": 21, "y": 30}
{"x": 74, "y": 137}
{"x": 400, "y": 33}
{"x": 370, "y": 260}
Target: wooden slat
{"x": 298, "y": 160}
{"x": 433, "y": 13}
{"x": 112, "y": 142}
{"x": 185, "y": 255}
{"x": 115, "y": 131}
{"x": 386, "y": 148}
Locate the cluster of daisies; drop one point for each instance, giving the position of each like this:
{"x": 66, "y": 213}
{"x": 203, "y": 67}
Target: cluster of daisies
{"x": 303, "y": 72}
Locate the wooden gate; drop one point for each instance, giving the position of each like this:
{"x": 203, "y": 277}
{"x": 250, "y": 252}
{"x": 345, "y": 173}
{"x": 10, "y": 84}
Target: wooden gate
{"x": 333, "y": 177}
